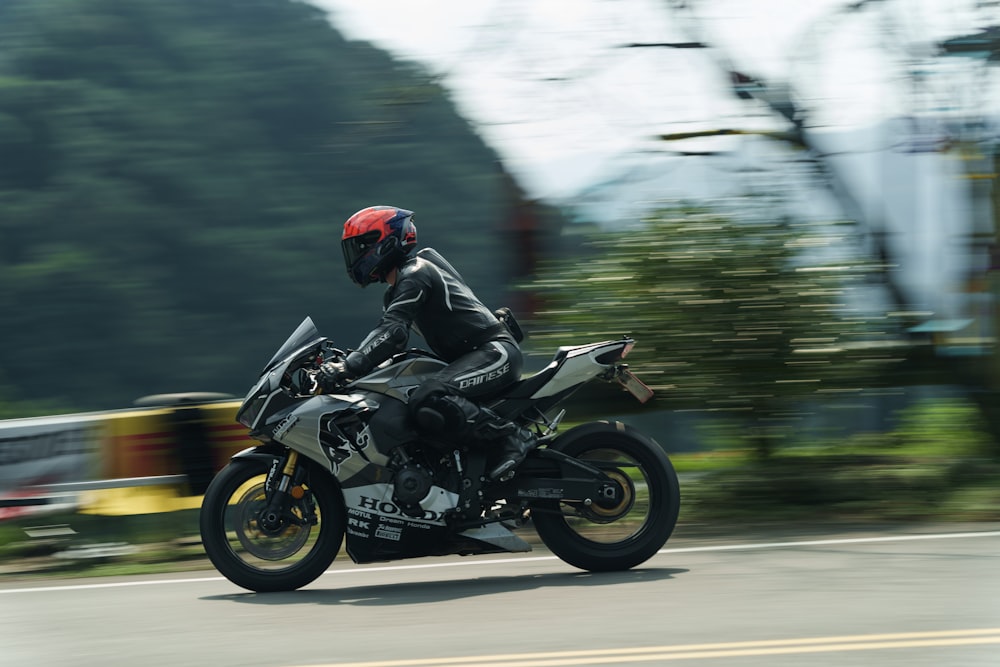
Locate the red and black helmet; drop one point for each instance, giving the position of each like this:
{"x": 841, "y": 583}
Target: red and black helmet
{"x": 377, "y": 240}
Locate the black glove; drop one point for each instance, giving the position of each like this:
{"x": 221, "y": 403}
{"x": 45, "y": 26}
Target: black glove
{"x": 331, "y": 375}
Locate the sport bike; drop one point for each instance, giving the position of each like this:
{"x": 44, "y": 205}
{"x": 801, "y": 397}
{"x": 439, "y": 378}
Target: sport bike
{"x": 601, "y": 495}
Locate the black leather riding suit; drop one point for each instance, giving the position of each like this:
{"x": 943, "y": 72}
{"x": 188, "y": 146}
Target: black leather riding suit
{"x": 431, "y": 297}
{"x": 482, "y": 357}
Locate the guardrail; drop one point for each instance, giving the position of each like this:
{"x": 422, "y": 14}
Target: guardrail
{"x": 178, "y": 440}
{"x": 45, "y": 495}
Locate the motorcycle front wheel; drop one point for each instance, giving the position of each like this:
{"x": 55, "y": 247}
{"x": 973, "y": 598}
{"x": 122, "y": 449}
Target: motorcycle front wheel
{"x": 617, "y": 536}
{"x": 262, "y": 559}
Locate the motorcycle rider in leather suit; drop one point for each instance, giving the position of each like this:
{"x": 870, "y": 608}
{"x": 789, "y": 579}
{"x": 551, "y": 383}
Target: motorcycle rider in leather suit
{"x": 427, "y": 294}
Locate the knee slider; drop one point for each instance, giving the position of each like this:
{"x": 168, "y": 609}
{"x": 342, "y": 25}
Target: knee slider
{"x": 427, "y": 392}
{"x": 446, "y": 414}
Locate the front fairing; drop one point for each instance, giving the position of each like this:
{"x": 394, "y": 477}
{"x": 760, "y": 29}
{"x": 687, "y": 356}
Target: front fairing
{"x": 265, "y": 395}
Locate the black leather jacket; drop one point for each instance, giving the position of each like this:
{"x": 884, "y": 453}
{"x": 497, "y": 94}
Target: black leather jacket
{"x": 430, "y": 296}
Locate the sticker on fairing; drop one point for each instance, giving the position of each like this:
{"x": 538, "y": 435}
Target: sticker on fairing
{"x": 394, "y": 533}
{"x": 376, "y": 499}
{"x": 339, "y": 448}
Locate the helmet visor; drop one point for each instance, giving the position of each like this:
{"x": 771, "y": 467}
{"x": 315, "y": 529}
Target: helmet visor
{"x": 358, "y": 249}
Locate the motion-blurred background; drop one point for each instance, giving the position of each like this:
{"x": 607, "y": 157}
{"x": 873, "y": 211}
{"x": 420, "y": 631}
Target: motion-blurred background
{"x": 791, "y": 206}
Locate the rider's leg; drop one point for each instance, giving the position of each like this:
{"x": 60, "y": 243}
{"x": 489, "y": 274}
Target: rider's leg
{"x": 447, "y": 406}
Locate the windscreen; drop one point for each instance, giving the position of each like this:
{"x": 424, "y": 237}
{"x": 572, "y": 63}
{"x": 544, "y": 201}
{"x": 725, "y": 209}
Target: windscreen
{"x": 303, "y": 335}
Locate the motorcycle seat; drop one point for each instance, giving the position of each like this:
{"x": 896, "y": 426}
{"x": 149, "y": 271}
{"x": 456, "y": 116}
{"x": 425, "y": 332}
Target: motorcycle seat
{"x": 526, "y": 387}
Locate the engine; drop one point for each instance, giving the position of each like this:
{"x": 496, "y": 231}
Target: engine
{"x": 415, "y": 473}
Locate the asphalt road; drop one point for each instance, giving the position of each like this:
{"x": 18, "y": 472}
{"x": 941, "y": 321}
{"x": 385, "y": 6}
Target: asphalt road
{"x": 911, "y": 596}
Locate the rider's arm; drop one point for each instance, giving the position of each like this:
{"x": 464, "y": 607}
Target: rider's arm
{"x": 393, "y": 331}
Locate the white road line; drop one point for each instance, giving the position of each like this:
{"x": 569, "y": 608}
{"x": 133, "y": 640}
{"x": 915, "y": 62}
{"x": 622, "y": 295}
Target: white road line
{"x": 845, "y": 540}
{"x": 515, "y": 559}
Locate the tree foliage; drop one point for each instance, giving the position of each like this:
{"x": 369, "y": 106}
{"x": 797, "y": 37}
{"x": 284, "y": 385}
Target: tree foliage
{"x": 740, "y": 317}
{"x": 173, "y": 176}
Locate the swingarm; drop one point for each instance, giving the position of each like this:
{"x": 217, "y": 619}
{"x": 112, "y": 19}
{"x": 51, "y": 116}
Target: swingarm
{"x": 551, "y": 475}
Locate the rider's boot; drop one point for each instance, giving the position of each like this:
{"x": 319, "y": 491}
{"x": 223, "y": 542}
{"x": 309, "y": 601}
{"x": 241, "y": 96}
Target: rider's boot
{"x": 515, "y": 440}
{"x": 517, "y": 443}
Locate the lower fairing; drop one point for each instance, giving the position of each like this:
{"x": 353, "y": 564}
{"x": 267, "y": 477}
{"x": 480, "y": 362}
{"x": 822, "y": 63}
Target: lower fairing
{"x": 378, "y": 530}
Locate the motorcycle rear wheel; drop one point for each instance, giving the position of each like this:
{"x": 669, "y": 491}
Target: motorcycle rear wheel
{"x": 618, "y": 537}
{"x": 267, "y": 561}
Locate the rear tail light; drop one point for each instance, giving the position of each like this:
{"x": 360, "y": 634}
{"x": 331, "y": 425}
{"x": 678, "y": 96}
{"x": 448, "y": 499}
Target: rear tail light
{"x": 614, "y": 354}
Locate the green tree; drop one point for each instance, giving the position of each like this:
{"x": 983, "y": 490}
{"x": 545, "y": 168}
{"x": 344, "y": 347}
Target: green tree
{"x": 743, "y": 318}
{"x": 173, "y": 176}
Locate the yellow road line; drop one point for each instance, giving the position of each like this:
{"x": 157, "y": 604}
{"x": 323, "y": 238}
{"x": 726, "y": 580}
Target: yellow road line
{"x": 702, "y": 651}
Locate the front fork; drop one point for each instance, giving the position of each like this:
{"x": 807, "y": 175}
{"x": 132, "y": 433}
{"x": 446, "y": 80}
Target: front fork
{"x": 284, "y": 487}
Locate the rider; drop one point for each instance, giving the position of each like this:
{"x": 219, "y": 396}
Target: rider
{"x": 426, "y": 293}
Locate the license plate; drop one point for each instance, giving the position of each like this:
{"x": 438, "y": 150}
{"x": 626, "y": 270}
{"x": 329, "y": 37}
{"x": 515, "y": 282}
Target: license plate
{"x": 635, "y": 386}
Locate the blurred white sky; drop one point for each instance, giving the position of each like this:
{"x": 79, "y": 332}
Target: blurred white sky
{"x": 574, "y": 114}
{"x": 552, "y": 89}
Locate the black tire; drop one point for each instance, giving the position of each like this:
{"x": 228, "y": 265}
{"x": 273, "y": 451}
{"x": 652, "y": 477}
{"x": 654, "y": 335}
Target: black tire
{"x": 250, "y": 558}
{"x": 607, "y": 539}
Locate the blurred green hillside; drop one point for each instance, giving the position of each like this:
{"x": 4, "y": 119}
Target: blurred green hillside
{"x": 173, "y": 177}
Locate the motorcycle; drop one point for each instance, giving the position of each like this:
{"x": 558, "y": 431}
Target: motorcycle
{"x": 348, "y": 468}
